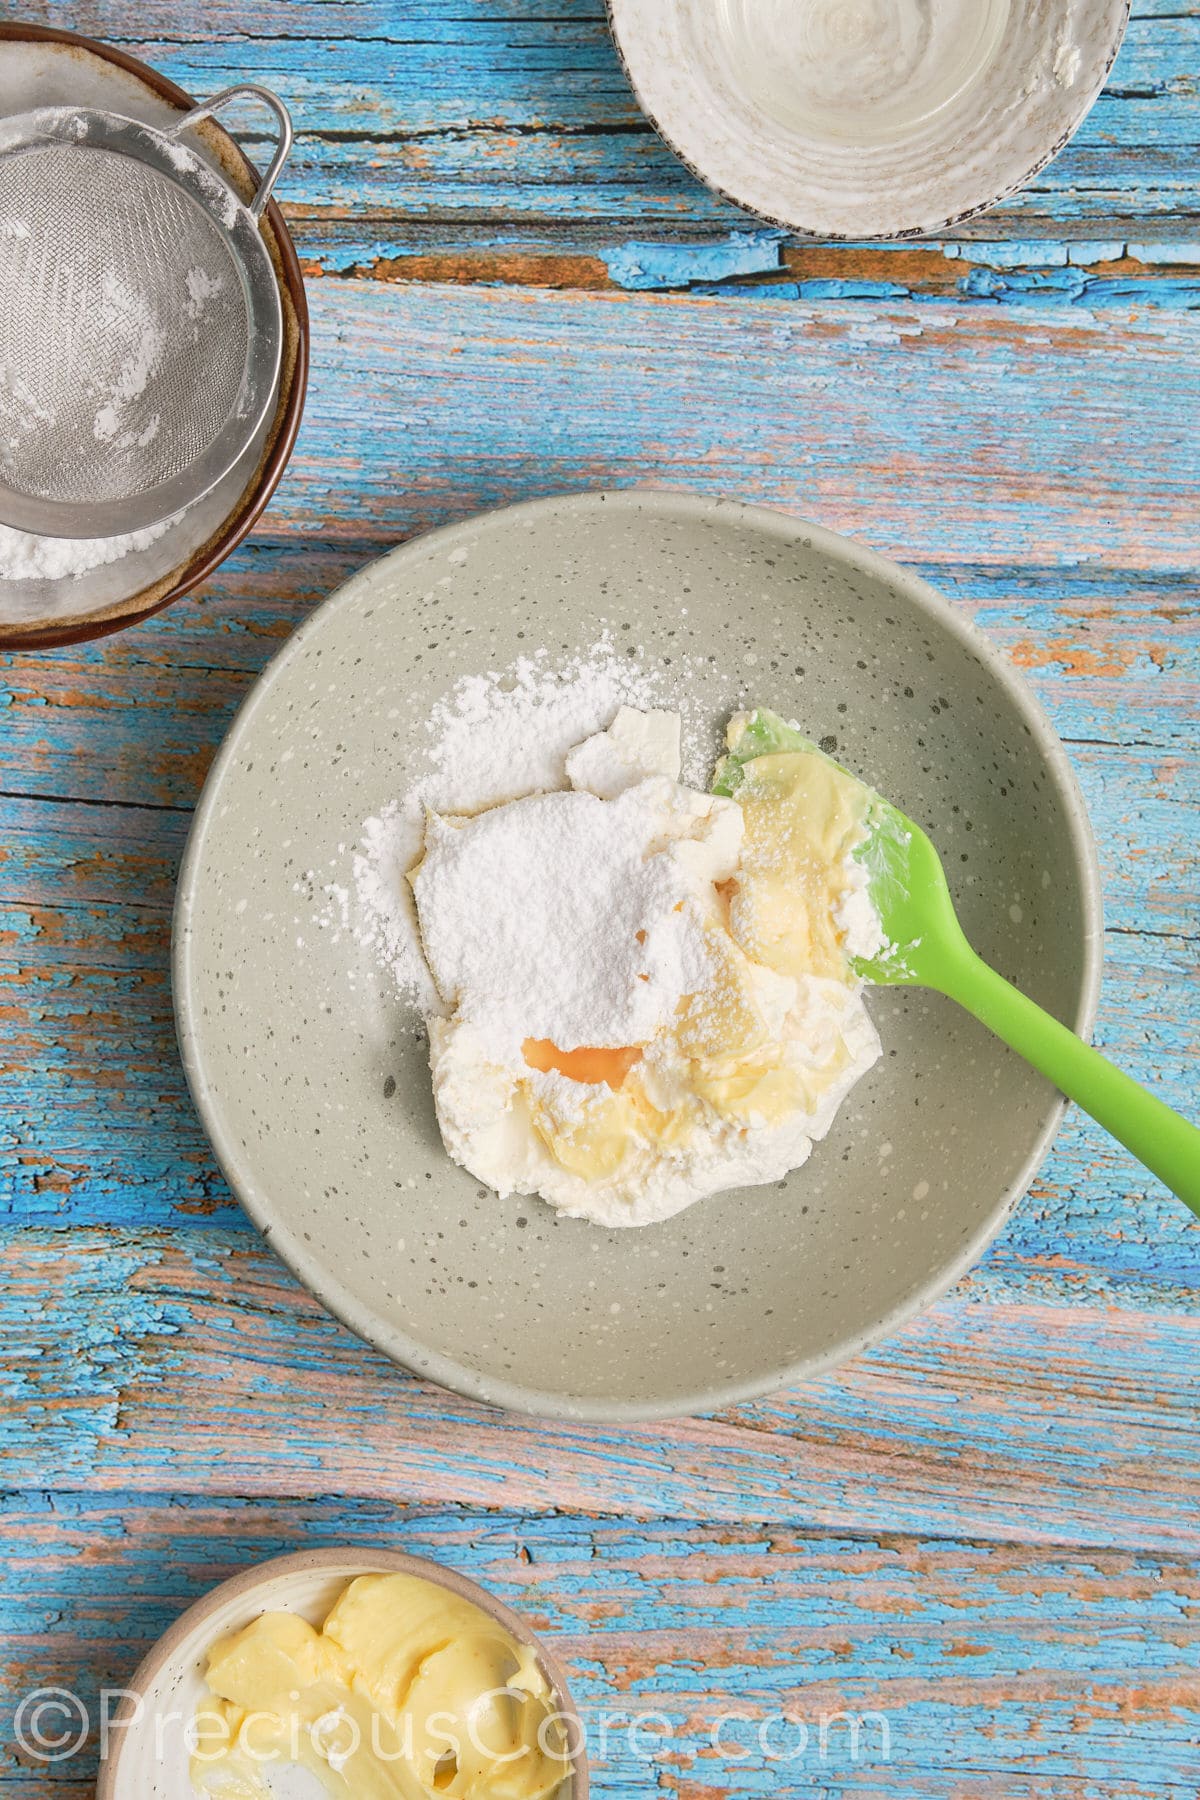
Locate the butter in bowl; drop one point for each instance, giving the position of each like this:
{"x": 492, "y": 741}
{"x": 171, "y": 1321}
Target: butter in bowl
{"x": 349, "y": 1674}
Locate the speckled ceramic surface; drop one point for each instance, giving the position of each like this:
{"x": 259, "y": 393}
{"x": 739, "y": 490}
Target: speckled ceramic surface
{"x": 885, "y": 118}
{"x": 318, "y": 1101}
{"x": 147, "y": 1756}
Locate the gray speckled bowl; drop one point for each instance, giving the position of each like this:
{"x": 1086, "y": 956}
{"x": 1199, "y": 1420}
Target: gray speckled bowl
{"x": 318, "y": 1101}
{"x": 147, "y": 1752}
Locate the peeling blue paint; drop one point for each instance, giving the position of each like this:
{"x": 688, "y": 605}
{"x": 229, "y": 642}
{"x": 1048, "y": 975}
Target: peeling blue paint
{"x": 1055, "y": 284}
{"x": 1036, "y": 253}
{"x": 1167, "y": 253}
{"x": 1055, "y": 287}
{"x": 808, "y": 290}
{"x": 645, "y": 266}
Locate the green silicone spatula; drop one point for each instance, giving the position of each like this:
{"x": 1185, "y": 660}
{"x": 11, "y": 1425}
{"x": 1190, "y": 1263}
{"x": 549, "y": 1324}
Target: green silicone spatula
{"x": 926, "y": 947}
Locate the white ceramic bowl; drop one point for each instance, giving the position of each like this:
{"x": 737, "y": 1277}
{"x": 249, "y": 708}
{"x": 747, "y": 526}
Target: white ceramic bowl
{"x": 147, "y": 1755}
{"x": 867, "y": 118}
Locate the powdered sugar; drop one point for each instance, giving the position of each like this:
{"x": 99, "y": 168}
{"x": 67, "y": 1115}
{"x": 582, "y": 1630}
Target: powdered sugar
{"x": 217, "y": 190}
{"x": 508, "y": 733}
{"x": 599, "y": 1033}
{"x": 201, "y": 287}
{"x": 24, "y": 556}
{"x": 129, "y": 318}
{"x": 566, "y": 917}
{"x": 22, "y": 414}
{"x": 493, "y": 738}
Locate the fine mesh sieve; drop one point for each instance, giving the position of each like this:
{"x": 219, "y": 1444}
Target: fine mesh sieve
{"x": 142, "y": 327}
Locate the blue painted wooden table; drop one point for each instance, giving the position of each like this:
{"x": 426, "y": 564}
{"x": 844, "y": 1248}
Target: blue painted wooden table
{"x": 983, "y": 1537}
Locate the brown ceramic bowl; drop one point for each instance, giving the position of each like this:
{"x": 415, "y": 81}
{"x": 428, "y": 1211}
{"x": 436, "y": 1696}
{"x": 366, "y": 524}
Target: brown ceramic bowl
{"x": 36, "y": 59}
{"x": 146, "y": 1756}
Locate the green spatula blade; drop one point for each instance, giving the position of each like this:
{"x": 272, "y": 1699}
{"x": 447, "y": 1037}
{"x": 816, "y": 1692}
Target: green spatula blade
{"x": 925, "y": 947}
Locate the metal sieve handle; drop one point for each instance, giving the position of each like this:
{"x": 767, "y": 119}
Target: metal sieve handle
{"x": 210, "y": 108}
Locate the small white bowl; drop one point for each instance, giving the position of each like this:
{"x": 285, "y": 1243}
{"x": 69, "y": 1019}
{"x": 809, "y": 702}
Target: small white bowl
{"x": 147, "y": 1755}
{"x": 867, "y": 118}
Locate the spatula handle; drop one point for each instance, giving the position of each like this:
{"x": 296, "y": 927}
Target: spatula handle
{"x": 1160, "y": 1138}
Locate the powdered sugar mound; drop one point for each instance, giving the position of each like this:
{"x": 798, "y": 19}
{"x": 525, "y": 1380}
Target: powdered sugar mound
{"x": 503, "y": 734}
{"x": 591, "y": 934}
{"x": 493, "y": 738}
{"x": 25, "y": 556}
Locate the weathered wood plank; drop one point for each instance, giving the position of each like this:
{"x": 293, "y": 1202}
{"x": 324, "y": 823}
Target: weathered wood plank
{"x": 996, "y": 1670}
{"x": 143, "y": 1360}
{"x": 1042, "y": 272}
{"x": 943, "y": 435}
{"x": 438, "y": 112}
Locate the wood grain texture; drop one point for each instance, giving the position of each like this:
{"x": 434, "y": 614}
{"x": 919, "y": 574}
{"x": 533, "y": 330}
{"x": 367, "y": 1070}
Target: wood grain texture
{"x": 145, "y": 1360}
{"x": 993, "y": 1670}
{"x": 986, "y": 1529}
{"x": 415, "y": 113}
{"x": 948, "y": 439}
{"x": 942, "y": 435}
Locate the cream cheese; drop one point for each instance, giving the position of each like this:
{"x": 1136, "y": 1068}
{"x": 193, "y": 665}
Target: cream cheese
{"x": 647, "y": 995}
